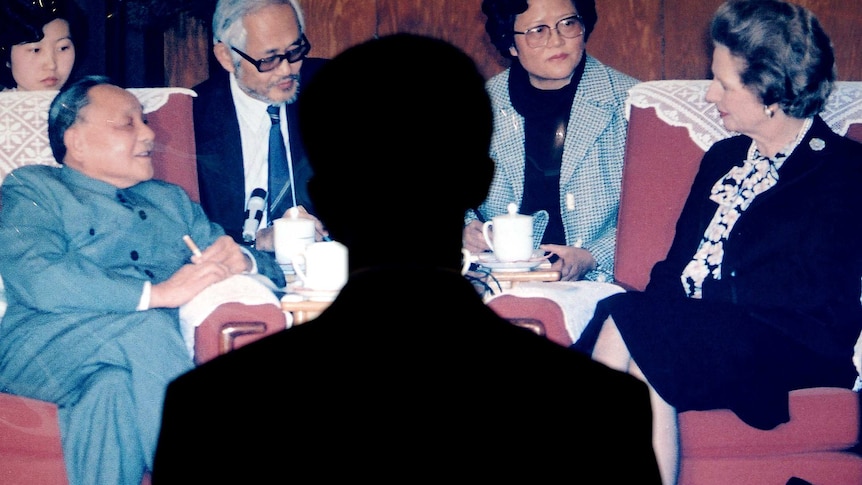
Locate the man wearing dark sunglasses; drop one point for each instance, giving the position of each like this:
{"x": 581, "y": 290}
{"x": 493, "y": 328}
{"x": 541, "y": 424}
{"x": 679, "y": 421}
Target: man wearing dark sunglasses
{"x": 262, "y": 47}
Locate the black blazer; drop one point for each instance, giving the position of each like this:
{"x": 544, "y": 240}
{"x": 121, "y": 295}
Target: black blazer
{"x": 785, "y": 313}
{"x": 219, "y": 152}
{"x": 399, "y": 381}
{"x": 793, "y": 258}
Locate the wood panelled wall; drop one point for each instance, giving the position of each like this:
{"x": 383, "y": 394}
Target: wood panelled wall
{"x": 648, "y": 39}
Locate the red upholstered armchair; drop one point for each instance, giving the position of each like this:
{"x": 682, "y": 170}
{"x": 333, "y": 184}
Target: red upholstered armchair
{"x": 541, "y": 315}
{"x": 30, "y": 451}
{"x": 670, "y": 127}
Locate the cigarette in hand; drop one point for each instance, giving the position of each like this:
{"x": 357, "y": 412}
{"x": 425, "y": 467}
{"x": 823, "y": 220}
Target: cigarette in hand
{"x": 191, "y": 244}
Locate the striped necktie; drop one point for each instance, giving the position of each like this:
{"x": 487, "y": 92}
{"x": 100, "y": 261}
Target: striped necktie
{"x": 279, "y": 174}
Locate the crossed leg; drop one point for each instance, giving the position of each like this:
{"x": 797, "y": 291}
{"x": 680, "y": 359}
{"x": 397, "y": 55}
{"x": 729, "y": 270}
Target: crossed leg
{"x": 611, "y": 350}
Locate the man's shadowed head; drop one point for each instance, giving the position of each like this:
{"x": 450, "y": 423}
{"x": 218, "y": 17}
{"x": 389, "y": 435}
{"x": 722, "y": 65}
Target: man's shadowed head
{"x": 397, "y": 131}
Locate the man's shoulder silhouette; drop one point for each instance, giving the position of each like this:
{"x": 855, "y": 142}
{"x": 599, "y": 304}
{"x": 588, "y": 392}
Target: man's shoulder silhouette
{"x": 407, "y": 373}
{"x": 398, "y": 379}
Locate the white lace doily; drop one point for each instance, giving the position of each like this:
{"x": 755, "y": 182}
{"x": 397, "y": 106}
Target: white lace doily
{"x": 154, "y": 98}
{"x": 24, "y": 130}
{"x": 682, "y": 103}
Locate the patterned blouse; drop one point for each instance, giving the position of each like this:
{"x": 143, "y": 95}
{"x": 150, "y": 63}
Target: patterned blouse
{"x": 733, "y": 193}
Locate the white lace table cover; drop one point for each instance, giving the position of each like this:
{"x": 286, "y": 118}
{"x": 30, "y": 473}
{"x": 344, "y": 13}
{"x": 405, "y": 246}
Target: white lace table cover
{"x": 24, "y": 124}
{"x": 682, "y": 103}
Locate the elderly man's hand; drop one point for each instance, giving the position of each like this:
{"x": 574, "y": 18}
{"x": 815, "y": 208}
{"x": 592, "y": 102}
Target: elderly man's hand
{"x": 225, "y": 251}
{"x": 186, "y": 283}
{"x": 217, "y": 262}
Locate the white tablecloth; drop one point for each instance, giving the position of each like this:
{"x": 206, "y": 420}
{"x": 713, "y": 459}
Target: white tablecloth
{"x": 577, "y": 298}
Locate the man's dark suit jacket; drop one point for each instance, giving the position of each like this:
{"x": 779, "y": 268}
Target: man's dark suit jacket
{"x": 407, "y": 374}
{"x": 219, "y": 152}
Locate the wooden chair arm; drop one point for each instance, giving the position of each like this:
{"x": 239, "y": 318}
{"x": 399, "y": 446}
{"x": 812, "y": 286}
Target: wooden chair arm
{"x": 233, "y": 325}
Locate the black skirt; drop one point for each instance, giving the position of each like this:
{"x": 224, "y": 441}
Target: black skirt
{"x": 700, "y": 355}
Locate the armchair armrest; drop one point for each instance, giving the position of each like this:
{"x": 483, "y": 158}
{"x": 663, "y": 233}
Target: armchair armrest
{"x": 230, "y": 314}
{"x": 232, "y": 325}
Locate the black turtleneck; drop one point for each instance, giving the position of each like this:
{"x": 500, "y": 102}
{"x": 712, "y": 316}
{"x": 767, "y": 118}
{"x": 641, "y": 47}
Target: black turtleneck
{"x": 546, "y": 119}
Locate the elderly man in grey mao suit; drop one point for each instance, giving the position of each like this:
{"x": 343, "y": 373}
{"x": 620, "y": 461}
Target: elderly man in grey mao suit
{"x": 95, "y": 268}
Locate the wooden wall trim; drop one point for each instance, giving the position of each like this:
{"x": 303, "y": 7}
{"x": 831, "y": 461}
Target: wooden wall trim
{"x": 648, "y": 39}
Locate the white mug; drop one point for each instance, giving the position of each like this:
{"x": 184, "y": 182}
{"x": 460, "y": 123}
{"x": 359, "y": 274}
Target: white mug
{"x": 291, "y": 236}
{"x": 325, "y": 266}
{"x": 513, "y": 235}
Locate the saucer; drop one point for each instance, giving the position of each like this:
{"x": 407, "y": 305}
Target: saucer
{"x": 287, "y": 268}
{"x": 491, "y": 262}
{"x": 311, "y": 294}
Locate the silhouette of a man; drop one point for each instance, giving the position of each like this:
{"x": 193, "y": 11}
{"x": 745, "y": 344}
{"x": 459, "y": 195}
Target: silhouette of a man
{"x": 408, "y": 373}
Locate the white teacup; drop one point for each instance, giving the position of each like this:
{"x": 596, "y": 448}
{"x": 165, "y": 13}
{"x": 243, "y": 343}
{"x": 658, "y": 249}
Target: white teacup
{"x": 325, "y": 266}
{"x": 513, "y": 235}
{"x": 291, "y": 236}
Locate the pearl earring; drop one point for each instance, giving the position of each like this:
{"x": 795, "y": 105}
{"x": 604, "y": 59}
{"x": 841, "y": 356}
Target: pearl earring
{"x": 768, "y": 111}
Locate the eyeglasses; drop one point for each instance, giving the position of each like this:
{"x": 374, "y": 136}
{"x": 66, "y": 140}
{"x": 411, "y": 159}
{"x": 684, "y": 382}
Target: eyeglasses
{"x": 269, "y": 63}
{"x": 569, "y": 27}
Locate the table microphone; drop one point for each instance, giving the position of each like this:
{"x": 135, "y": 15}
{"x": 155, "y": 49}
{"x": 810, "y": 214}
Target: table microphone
{"x": 253, "y": 214}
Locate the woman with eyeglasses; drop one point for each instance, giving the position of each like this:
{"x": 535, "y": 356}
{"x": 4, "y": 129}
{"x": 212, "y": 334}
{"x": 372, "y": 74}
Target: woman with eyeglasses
{"x": 559, "y": 134}
{"x": 37, "y": 44}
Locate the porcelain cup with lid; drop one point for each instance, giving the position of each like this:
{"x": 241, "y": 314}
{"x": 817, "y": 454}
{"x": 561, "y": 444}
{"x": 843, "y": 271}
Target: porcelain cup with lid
{"x": 292, "y": 234}
{"x": 323, "y": 266}
{"x": 510, "y": 236}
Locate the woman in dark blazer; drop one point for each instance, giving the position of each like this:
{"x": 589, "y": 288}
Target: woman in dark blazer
{"x": 759, "y": 293}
